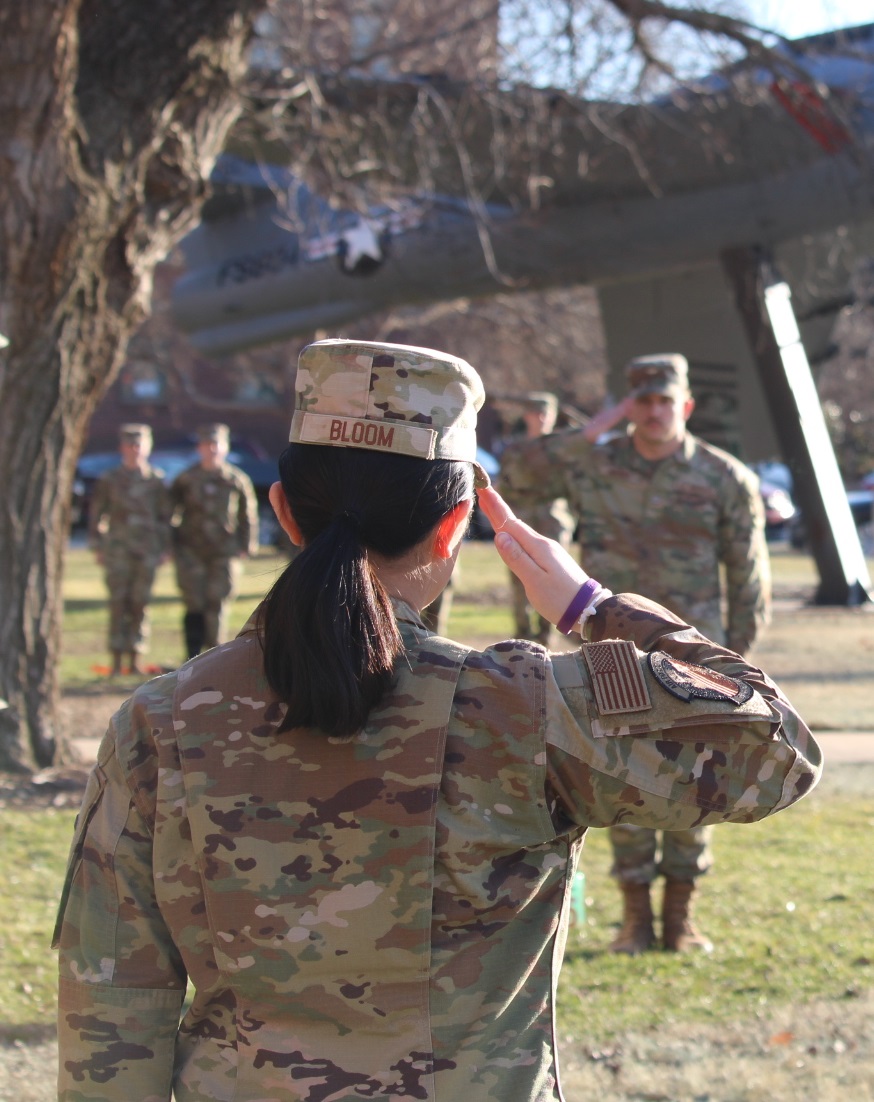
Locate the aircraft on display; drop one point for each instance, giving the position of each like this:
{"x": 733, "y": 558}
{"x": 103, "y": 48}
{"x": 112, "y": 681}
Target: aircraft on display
{"x": 655, "y": 205}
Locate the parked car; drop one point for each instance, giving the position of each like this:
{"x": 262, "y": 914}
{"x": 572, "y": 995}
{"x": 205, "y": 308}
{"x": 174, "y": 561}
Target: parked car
{"x": 861, "y": 504}
{"x": 779, "y": 509}
{"x": 775, "y": 486}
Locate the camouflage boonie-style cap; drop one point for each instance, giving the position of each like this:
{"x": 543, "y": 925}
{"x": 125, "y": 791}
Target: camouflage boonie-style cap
{"x": 665, "y": 373}
{"x": 135, "y": 434}
{"x": 388, "y": 397}
{"x": 207, "y": 433}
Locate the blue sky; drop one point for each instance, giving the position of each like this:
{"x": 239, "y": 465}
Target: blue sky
{"x": 796, "y": 18}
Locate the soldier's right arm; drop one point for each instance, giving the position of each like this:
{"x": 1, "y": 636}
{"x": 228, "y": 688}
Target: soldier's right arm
{"x": 675, "y": 758}
{"x": 651, "y": 723}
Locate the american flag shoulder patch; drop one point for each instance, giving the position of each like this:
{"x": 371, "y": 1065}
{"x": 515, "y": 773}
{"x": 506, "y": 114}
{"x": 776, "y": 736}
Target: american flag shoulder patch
{"x": 617, "y": 678}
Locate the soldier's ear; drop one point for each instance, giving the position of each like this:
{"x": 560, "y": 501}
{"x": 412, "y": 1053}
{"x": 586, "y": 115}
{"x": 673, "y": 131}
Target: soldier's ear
{"x": 283, "y": 514}
{"x": 450, "y": 530}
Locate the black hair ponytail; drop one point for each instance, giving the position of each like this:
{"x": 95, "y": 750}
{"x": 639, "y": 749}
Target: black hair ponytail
{"x": 328, "y": 628}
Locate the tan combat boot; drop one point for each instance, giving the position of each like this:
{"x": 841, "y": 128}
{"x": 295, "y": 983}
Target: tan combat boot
{"x": 678, "y": 931}
{"x": 637, "y": 934}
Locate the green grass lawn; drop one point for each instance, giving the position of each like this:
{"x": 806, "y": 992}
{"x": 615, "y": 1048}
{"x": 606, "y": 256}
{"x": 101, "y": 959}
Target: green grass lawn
{"x": 788, "y": 904}
{"x": 33, "y": 853}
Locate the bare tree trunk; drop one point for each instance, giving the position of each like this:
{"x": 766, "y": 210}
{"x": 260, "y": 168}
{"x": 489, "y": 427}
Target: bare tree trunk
{"x": 111, "y": 114}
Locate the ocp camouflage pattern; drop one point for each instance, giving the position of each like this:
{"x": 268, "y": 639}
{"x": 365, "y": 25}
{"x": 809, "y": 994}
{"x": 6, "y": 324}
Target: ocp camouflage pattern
{"x": 129, "y": 514}
{"x": 347, "y": 380}
{"x": 640, "y": 855}
{"x": 662, "y": 529}
{"x": 215, "y": 511}
{"x": 129, "y": 525}
{"x": 383, "y": 916}
{"x": 549, "y": 518}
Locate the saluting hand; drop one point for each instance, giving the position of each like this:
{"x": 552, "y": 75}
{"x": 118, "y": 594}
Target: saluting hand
{"x": 550, "y": 575}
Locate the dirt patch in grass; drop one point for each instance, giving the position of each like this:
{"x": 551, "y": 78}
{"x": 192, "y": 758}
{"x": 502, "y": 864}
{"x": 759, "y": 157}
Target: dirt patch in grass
{"x": 823, "y": 659}
{"x": 823, "y": 1051}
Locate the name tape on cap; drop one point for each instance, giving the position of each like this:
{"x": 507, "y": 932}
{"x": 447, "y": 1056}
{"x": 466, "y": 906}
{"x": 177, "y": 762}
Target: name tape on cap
{"x": 356, "y": 432}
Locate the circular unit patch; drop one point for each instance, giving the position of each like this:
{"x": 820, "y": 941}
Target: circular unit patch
{"x": 686, "y": 680}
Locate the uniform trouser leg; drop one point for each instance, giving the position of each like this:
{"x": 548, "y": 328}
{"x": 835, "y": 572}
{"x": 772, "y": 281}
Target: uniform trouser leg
{"x": 129, "y": 581}
{"x": 192, "y": 629}
{"x": 634, "y": 854}
{"x": 116, "y": 586}
{"x": 191, "y": 579}
{"x": 222, "y": 577}
{"x": 140, "y": 593}
{"x": 684, "y": 855}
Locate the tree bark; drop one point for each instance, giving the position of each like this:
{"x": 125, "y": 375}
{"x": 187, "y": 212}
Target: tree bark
{"x": 111, "y": 115}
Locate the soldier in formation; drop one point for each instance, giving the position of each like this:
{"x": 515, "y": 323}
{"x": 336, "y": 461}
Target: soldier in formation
{"x": 355, "y": 839}
{"x": 659, "y": 512}
{"x": 552, "y": 518}
{"x": 129, "y": 532}
{"x": 216, "y": 517}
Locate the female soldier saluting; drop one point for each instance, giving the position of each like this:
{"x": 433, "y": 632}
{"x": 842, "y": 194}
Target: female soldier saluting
{"x": 356, "y": 839}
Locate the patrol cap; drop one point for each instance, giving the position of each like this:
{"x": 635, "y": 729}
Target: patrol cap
{"x": 134, "y": 434}
{"x": 664, "y": 373}
{"x": 207, "y": 433}
{"x": 390, "y": 398}
{"x": 543, "y": 401}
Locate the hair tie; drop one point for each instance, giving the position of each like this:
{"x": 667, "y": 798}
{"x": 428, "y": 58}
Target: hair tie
{"x": 351, "y": 518}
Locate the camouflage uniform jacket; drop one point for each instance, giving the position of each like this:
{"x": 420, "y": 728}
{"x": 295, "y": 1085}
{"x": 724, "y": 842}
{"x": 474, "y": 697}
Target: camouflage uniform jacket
{"x": 549, "y": 518}
{"x": 661, "y": 529}
{"x": 383, "y": 916}
{"x": 130, "y": 513}
{"x": 216, "y": 511}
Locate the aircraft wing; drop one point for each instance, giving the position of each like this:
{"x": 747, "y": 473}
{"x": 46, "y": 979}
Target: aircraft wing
{"x": 624, "y": 193}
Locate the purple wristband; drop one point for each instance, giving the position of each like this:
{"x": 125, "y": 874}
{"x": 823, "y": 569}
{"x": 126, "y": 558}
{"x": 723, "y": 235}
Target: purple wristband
{"x": 578, "y": 605}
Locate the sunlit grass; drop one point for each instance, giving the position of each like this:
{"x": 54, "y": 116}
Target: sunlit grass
{"x": 787, "y": 904}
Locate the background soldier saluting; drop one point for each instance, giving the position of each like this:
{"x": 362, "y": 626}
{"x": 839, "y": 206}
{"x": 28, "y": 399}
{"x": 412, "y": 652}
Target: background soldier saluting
{"x": 552, "y": 519}
{"x": 661, "y": 513}
{"x": 129, "y": 530}
{"x": 216, "y": 518}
